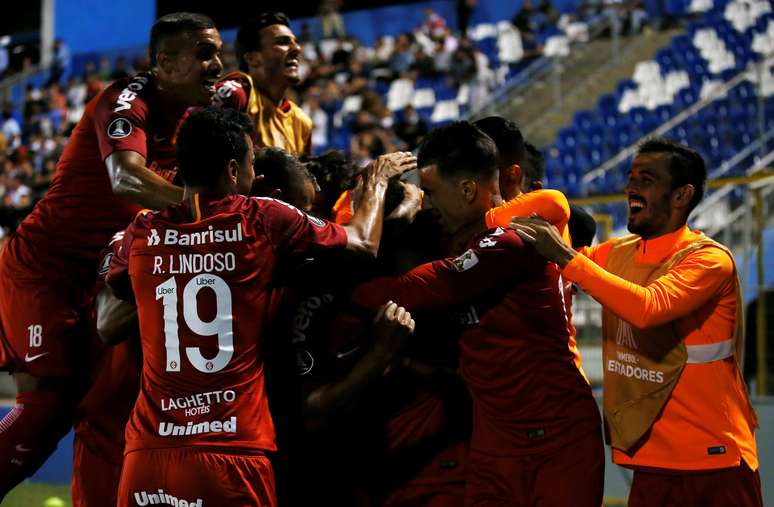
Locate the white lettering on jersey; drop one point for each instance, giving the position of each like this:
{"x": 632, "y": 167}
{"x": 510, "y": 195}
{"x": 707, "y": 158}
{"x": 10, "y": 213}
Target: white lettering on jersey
{"x": 198, "y": 400}
{"x": 211, "y": 235}
{"x": 128, "y": 94}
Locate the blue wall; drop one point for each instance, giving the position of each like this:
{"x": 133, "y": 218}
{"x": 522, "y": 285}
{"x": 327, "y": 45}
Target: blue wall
{"x": 92, "y": 25}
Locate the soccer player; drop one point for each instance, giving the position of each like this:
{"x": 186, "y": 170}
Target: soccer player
{"x": 552, "y": 205}
{"x": 268, "y": 55}
{"x": 120, "y": 158}
{"x": 535, "y": 422}
{"x": 202, "y": 277}
{"x": 285, "y": 178}
{"x": 675, "y": 403}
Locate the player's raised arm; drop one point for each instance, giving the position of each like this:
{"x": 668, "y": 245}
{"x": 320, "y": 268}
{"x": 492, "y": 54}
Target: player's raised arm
{"x": 365, "y": 228}
{"x": 130, "y": 178}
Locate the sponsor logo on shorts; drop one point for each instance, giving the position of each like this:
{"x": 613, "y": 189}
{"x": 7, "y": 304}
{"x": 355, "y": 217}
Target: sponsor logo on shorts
{"x": 161, "y": 497}
{"x": 119, "y": 128}
{"x": 168, "y": 429}
{"x": 209, "y": 235}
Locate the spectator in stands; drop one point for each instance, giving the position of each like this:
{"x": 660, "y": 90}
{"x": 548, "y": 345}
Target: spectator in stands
{"x": 402, "y": 57}
{"x": 434, "y": 25}
{"x": 464, "y": 10}
{"x": 332, "y": 23}
{"x": 121, "y": 69}
{"x": 342, "y": 56}
{"x": 462, "y": 69}
{"x": 17, "y": 194}
{"x": 10, "y": 127}
{"x": 411, "y": 127}
{"x": 62, "y": 61}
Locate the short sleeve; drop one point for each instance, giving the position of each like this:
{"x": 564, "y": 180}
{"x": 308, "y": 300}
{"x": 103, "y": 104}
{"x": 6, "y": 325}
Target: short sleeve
{"x": 293, "y": 232}
{"x": 117, "y": 269}
{"x": 121, "y": 117}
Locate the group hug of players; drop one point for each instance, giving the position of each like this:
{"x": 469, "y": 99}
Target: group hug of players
{"x": 406, "y": 348}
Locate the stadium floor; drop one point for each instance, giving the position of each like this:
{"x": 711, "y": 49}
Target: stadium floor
{"x": 34, "y": 494}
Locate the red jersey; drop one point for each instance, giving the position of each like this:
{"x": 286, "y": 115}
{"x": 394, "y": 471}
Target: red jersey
{"x": 528, "y": 396}
{"x": 69, "y": 227}
{"x": 201, "y": 275}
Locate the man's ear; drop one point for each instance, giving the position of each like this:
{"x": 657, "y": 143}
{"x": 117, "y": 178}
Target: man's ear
{"x": 165, "y": 61}
{"x": 683, "y": 195}
{"x": 468, "y": 189}
{"x": 233, "y": 171}
{"x": 515, "y": 174}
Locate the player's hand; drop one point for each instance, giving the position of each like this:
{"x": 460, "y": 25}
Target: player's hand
{"x": 545, "y": 237}
{"x": 393, "y": 164}
{"x": 411, "y": 204}
{"x": 392, "y": 326}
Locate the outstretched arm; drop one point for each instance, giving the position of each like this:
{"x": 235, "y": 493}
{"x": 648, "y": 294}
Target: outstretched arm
{"x": 679, "y": 292}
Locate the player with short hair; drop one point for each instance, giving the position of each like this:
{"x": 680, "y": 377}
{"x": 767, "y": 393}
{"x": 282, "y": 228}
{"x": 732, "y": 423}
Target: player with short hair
{"x": 676, "y": 406}
{"x": 535, "y": 422}
{"x": 202, "y": 275}
{"x": 268, "y": 54}
{"x": 549, "y": 204}
{"x": 119, "y": 158}
{"x": 284, "y": 177}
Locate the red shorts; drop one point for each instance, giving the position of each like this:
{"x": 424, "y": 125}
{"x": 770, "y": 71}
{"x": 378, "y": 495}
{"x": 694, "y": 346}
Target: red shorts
{"x": 737, "y": 486}
{"x": 440, "y": 483}
{"x": 193, "y": 477}
{"x": 95, "y": 480}
{"x": 570, "y": 476}
{"x": 42, "y": 328}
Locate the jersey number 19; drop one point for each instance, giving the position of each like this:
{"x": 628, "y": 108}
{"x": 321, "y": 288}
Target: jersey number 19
{"x": 221, "y": 326}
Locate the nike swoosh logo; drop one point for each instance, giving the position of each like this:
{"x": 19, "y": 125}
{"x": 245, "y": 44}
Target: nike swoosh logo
{"x": 28, "y": 358}
{"x": 21, "y": 448}
{"x": 157, "y": 139}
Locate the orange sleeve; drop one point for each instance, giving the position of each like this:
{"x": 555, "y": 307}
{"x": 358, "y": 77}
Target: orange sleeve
{"x": 551, "y": 205}
{"x": 342, "y": 209}
{"x": 682, "y": 290}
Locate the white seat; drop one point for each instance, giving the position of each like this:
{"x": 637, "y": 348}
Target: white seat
{"x": 445, "y": 110}
{"x": 424, "y": 97}
{"x": 400, "y": 93}
{"x": 509, "y": 47}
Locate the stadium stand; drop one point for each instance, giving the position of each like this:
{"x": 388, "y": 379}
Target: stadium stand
{"x": 702, "y": 90}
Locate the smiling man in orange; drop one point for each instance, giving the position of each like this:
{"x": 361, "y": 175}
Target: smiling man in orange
{"x": 268, "y": 55}
{"x": 676, "y": 407}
